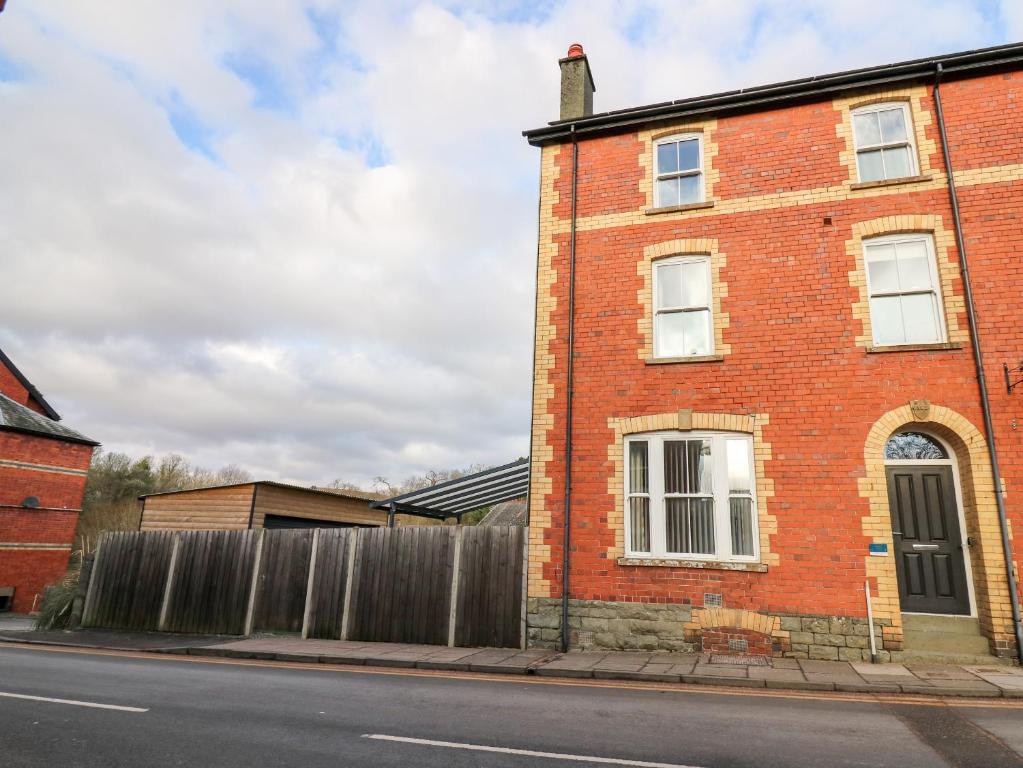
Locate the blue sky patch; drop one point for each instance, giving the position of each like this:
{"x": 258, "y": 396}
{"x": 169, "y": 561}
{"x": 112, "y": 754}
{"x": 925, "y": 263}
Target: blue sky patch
{"x": 270, "y": 91}
{"x": 192, "y": 132}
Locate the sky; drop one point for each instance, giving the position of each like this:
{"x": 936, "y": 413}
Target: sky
{"x": 300, "y": 237}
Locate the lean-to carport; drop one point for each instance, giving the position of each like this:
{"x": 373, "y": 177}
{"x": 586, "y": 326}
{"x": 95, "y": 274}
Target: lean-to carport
{"x": 455, "y": 498}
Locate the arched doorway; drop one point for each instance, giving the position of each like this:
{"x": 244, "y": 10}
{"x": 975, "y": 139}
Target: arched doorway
{"x": 928, "y": 529}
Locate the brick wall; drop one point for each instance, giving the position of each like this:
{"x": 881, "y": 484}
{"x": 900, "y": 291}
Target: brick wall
{"x": 785, "y": 208}
{"x": 35, "y": 544}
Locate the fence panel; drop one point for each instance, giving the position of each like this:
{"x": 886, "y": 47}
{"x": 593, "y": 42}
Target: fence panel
{"x": 210, "y": 591}
{"x": 402, "y": 584}
{"x": 130, "y": 579}
{"x": 329, "y": 582}
{"x": 490, "y": 587}
{"x": 283, "y": 577}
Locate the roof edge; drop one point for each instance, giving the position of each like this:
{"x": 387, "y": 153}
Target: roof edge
{"x": 79, "y": 439}
{"x": 961, "y": 64}
{"x": 271, "y": 483}
{"x": 385, "y": 503}
{"x": 35, "y": 393}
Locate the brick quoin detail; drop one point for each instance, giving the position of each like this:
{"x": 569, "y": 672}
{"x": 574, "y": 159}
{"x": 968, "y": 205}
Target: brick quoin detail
{"x": 720, "y": 639}
{"x": 789, "y": 218}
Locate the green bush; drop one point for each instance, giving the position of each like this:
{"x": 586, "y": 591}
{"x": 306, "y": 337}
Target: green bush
{"x": 55, "y": 609}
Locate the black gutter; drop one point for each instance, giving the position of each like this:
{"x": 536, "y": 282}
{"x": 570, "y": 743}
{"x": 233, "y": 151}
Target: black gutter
{"x": 566, "y": 541}
{"x": 780, "y": 94}
{"x": 978, "y": 361}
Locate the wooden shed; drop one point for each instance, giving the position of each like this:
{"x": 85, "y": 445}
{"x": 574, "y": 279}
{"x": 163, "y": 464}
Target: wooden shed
{"x": 261, "y": 504}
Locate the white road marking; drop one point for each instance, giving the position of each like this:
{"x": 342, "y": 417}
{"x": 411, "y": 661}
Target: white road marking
{"x": 525, "y": 752}
{"x": 73, "y": 702}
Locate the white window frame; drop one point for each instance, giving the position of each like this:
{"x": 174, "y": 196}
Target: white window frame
{"x": 720, "y": 491}
{"x": 674, "y": 139}
{"x": 910, "y": 141}
{"x": 932, "y": 263}
{"x": 658, "y": 310}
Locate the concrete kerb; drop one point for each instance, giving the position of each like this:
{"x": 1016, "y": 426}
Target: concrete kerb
{"x": 572, "y": 666}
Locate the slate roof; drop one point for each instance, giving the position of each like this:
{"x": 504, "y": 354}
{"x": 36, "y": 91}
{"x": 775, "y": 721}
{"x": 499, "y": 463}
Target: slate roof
{"x": 20, "y": 418}
{"x": 506, "y": 513}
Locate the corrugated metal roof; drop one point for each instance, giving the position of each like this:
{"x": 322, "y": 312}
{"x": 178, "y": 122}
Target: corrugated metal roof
{"x": 20, "y": 418}
{"x": 465, "y": 494}
{"x": 353, "y": 495}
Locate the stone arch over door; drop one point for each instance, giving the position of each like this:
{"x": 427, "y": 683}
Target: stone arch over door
{"x": 979, "y": 510}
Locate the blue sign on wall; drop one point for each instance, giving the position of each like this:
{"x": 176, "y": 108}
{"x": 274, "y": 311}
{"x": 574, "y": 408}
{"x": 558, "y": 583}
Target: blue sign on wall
{"x": 879, "y": 550}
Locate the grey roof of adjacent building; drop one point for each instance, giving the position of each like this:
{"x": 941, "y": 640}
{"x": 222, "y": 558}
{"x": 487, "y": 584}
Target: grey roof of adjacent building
{"x": 20, "y": 418}
{"x": 365, "y": 496}
{"x": 506, "y": 513}
{"x": 35, "y": 393}
{"x": 762, "y": 97}
{"x": 453, "y": 498}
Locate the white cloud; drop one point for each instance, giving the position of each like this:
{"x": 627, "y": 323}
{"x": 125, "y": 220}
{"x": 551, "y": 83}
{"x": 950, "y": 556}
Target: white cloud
{"x": 301, "y": 237}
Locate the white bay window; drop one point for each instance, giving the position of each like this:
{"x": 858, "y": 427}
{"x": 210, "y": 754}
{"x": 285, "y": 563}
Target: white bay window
{"x": 690, "y": 495}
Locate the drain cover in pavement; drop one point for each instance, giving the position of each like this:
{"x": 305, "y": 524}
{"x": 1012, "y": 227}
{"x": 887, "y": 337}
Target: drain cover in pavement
{"x": 740, "y": 661}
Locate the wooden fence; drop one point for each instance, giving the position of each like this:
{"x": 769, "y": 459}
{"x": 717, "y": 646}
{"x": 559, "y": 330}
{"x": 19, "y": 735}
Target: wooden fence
{"x": 416, "y": 584}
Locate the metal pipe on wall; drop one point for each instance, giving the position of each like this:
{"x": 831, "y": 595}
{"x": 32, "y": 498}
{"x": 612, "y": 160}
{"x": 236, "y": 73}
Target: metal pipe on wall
{"x": 978, "y": 360}
{"x": 566, "y": 538}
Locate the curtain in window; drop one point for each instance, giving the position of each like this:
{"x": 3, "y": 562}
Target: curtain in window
{"x": 689, "y": 521}
{"x": 639, "y": 505}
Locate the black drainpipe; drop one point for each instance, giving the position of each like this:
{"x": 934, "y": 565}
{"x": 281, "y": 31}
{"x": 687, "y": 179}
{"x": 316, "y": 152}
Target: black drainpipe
{"x": 978, "y": 361}
{"x": 568, "y": 406}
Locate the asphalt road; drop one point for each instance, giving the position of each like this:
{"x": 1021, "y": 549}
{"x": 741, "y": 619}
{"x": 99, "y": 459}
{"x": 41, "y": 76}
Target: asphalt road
{"x": 177, "y": 711}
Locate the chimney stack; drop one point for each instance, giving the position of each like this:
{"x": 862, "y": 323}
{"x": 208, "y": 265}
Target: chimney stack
{"x": 576, "y": 84}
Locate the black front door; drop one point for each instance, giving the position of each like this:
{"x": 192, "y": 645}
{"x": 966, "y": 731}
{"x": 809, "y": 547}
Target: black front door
{"x": 928, "y": 542}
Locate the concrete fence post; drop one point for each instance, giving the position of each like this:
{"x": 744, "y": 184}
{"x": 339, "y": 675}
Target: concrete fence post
{"x": 168, "y": 586}
{"x": 251, "y": 609}
{"x": 90, "y": 595}
{"x": 346, "y": 606}
{"x": 455, "y": 584}
{"x": 307, "y": 614}
{"x": 78, "y": 603}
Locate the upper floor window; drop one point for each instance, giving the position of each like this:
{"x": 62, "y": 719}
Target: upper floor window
{"x": 691, "y": 494}
{"x": 679, "y": 170}
{"x": 884, "y": 142}
{"x": 682, "y": 307}
{"x": 905, "y": 294}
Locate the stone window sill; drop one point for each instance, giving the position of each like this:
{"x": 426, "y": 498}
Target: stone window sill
{"x": 914, "y": 348}
{"x": 679, "y": 208}
{"x": 890, "y": 182}
{"x": 711, "y": 565}
{"x": 691, "y": 359}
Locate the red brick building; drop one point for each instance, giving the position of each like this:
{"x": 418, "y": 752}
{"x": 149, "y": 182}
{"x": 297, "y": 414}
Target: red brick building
{"x": 43, "y": 466}
{"x": 758, "y": 303}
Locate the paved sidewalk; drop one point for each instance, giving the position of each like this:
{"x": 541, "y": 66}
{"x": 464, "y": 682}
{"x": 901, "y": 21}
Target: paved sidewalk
{"x": 746, "y": 671}
{"x": 995, "y": 680}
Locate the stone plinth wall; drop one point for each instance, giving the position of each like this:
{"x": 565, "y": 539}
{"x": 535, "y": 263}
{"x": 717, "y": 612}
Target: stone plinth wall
{"x": 602, "y": 625}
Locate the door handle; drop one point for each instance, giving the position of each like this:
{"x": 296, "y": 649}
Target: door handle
{"x": 925, "y": 546}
